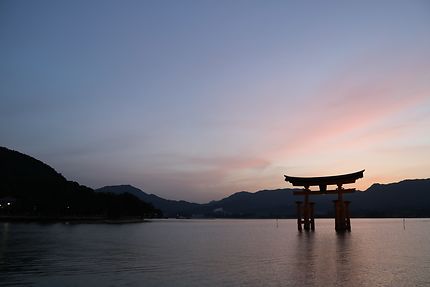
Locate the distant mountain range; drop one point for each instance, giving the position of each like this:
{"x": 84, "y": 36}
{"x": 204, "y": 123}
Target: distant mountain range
{"x": 171, "y": 208}
{"x": 408, "y": 198}
{"x": 35, "y": 188}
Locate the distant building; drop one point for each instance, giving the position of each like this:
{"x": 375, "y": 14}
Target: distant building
{"x": 7, "y": 201}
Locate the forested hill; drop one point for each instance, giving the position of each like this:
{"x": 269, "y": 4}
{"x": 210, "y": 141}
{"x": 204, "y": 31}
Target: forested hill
{"x": 29, "y": 187}
{"x": 16, "y": 166}
{"x": 407, "y": 198}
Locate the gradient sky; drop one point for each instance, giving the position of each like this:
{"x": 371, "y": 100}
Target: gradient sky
{"x": 196, "y": 100}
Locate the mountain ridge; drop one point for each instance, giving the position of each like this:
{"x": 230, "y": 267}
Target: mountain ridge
{"x": 42, "y": 190}
{"x": 409, "y": 197}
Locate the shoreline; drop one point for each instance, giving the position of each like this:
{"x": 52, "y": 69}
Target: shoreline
{"x": 71, "y": 219}
{"x": 126, "y": 220}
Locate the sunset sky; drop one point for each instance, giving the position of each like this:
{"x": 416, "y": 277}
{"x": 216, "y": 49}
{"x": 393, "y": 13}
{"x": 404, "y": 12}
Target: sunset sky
{"x": 196, "y": 100}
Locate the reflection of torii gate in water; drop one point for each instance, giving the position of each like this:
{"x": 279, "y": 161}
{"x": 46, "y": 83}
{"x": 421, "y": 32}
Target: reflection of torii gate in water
{"x": 305, "y": 213}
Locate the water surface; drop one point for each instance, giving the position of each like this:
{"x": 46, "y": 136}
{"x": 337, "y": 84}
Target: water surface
{"x": 378, "y": 252}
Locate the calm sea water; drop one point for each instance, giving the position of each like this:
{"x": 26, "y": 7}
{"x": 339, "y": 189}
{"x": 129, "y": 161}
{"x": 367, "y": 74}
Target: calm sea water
{"x": 378, "y": 252}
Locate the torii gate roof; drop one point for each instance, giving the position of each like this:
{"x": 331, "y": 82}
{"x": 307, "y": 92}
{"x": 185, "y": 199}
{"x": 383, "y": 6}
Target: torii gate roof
{"x": 325, "y": 180}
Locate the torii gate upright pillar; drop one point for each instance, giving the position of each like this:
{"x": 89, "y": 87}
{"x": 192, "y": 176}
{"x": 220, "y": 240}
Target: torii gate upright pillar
{"x": 342, "y": 220}
{"x": 305, "y": 214}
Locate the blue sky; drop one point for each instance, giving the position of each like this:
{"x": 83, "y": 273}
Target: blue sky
{"x": 196, "y": 100}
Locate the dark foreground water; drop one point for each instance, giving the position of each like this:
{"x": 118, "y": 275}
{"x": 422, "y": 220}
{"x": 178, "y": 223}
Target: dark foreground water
{"x": 378, "y": 252}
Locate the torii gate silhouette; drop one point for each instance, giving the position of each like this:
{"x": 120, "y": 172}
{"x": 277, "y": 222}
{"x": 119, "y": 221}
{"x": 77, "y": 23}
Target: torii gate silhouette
{"x": 305, "y": 214}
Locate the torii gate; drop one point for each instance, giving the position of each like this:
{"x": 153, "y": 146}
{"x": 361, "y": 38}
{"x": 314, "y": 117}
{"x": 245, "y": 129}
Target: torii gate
{"x": 305, "y": 214}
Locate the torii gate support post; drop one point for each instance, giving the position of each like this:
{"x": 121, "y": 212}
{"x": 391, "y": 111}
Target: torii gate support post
{"x": 347, "y": 216}
{"x": 312, "y": 218}
{"x": 342, "y": 219}
{"x": 305, "y": 213}
{"x": 306, "y": 224}
{"x": 299, "y": 215}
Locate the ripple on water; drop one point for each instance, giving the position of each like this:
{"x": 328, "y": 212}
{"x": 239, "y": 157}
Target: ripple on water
{"x": 215, "y": 253}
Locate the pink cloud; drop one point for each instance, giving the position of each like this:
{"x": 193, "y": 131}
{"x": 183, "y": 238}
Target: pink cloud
{"x": 348, "y": 104}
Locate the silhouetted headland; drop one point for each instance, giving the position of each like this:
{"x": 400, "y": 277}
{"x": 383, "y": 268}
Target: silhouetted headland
{"x": 32, "y": 190}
